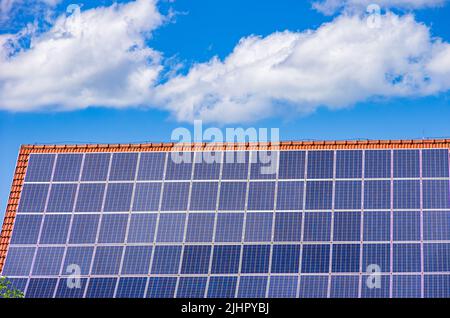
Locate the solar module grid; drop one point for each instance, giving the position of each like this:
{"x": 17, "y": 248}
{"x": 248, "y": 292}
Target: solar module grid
{"x": 283, "y": 262}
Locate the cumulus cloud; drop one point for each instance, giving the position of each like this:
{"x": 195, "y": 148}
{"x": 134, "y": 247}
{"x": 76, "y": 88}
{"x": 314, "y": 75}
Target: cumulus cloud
{"x": 329, "y": 7}
{"x": 339, "y": 64}
{"x": 97, "y": 57}
{"x": 100, "y": 57}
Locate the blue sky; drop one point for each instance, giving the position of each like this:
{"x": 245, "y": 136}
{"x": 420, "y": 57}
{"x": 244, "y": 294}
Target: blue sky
{"x": 197, "y": 32}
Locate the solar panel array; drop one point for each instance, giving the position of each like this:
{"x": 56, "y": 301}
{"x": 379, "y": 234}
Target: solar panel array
{"x": 143, "y": 225}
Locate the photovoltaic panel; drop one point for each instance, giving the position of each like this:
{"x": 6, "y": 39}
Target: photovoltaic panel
{"x": 142, "y": 225}
{"x": 123, "y": 167}
{"x": 40, "y": 168}
{"x": 68, "y": 167}
{"x": 96, "y": 167}
{"x": 151, "y": 166}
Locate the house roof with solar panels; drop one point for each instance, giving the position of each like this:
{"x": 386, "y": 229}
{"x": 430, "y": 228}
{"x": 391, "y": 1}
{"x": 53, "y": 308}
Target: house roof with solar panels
{"x": 127, "y": 221}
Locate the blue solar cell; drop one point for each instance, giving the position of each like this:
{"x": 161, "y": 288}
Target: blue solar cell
{"x": 207, "y": 165}
{"x": 261, "y": 196}
{"x": 161, "y": 287}
{"x": 377, "y": 226}
{"x": 437, "y": 286}
{"x": 90, "y": 197}
{"x": 123, "y": 167}
{"x": 376, "y": 254}
{"x": 347, "y": 195}
{"x": 229, "y": 227}
{"x": 258, "y": 227}
{"x": 436, "y": 256}
{"x": 84, "y": 229}
{"x": 407, "y": 258}
{"x": 292, "y": 165}
{"x": 118, "y": 197}
{"x": 142, "y": 228}
{"x": 136, "y": 260}
{"x": 377, "y": 194}
{"x": 436, "y": 194}
{"x": 407, "y": 226}
{"x": 347, "y": 226}
{"x": 345, "y": 258}
{"x": 78, "y": 260}
{"x": 255, "y": 259}
{"x": 288, "y": 227}
{"x": 263, "y": 165}
{"x": 222, "y": 287}
{"x": 436, "y": 225}
{"x": 435, "y": 163}
{"x": 171, "y": 227}
{"x": 378, "y": 286}
{"x": 285, "y": 258}
{"x": 235, "y": 166}
{"x": 96, "y": 166}
{"x": 319, "y": 195}
{"x": 204, "y": 196}
{"x": 131, "y": 287}
{"x": 349, "y": 164}
{"x": 196, "y": 259}
{"x": 283, "y": 286}
{"x": 232, "y": 196}
{"x": 55, "y": 229}
{"x": 191, "y": 287}
{"x": 406, "y": 164}
{"x": 18, "y": 261}
{"x": 62, "y": 198}
{"x": 68, "y": 167}
{"x": 317, "y": 227}
{"x": 313, "y": 286}
{"x": 146, "y": 197}
{"x": 113, "y": 228}
{"x": 200, "y": 227}
{"x": 151, "y": 166}
{"x": 48, "y": 261}
{"x": 40, "y": 168}
{"x": 226, "y": 259}
{"x": 41, "y": 287}
{"x": 179, "y": 166}
{"x": 377, "y": 164}
{"x": 175, "y": 197}
{"x": 406, "y": 286}
{"x": 320, "y": 164}
{"x": 107, "y": 260}
{"x": 101, "y": 287}
{"x": 166, "y": 260}
{"x": 406, "y": 194}
{"x": 252, "y": 287}
{"x": 71, "y": 290}
{"x": 33, "y": 198}
{"x": 344, "y": 286}
{"x": 26, "y": 229}
{"x": 290, "y": 195}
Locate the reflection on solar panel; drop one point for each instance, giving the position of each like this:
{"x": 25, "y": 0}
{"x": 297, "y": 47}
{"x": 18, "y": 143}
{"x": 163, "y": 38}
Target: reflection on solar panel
{"x": 367, "y": 219}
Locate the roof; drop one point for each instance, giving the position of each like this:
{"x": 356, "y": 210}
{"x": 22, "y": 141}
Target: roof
{"x": 26, "y": 150}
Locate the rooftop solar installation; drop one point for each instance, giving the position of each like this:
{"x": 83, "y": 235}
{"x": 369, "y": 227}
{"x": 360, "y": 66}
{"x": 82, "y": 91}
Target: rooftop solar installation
{"x": 332, "y": 219}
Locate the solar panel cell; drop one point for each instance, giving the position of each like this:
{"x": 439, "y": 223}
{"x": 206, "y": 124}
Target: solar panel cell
{"x": 40, "y": 168}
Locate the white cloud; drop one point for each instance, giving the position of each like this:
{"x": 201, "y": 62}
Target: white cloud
{"x": 337, "y": 65}
{"x": 98, "y": 57}
{"x": 332, "y": 6}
